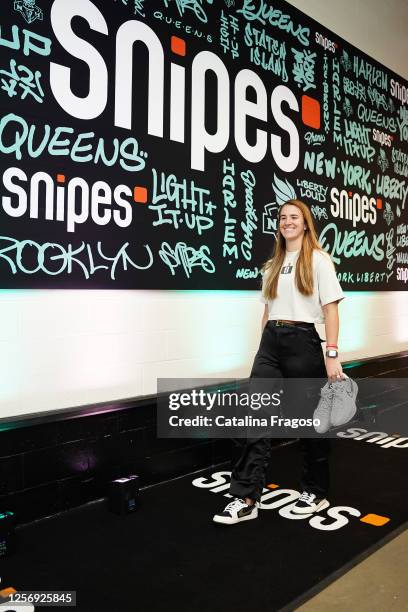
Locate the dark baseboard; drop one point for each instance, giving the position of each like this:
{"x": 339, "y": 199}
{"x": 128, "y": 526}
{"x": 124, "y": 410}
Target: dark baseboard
{"x": 50, "y": 462}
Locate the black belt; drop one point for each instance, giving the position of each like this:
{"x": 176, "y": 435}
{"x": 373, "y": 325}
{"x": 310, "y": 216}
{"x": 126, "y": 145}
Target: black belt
{"x": 281, "y": 323}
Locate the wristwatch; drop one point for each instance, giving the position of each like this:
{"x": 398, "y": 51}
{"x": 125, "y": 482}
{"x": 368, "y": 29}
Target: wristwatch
{"x": 332, "y": 353}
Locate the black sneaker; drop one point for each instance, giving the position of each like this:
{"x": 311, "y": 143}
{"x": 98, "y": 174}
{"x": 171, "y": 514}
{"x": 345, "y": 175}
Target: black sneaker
{"x": 309, "y": 503}
{"x": 237, "y": 511}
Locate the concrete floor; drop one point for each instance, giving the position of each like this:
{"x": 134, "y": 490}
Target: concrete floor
{"x": 377, "y": 584}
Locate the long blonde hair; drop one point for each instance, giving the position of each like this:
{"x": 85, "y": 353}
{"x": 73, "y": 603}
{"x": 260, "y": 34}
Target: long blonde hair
{"x": 304, "y": 265}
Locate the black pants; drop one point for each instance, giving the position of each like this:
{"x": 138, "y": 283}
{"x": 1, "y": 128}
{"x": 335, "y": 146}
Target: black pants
{"x": 285, "y": 352}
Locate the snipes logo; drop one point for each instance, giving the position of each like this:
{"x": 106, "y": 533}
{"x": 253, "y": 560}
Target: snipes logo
{"x": 72, "y": 201}
{"x": 375, "y": 437}
{"x": 176, "y": 89}
{"x": 353, "y": 206}
{"x": 326, "y": 42}
{"x": 283, "y": 500}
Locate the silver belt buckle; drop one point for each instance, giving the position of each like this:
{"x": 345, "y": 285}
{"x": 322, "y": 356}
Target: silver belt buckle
{"x": 279, "y": 323}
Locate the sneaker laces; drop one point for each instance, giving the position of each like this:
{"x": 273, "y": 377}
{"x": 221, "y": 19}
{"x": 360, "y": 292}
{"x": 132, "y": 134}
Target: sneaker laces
{"x": 326, "y": 399}
{"x": 236, "y": 504}
{"x": 307, "y": 497}
{"x": 334, "y": 388}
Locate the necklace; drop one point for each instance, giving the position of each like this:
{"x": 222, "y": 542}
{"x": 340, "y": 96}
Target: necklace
{"x": 289, "y": 261}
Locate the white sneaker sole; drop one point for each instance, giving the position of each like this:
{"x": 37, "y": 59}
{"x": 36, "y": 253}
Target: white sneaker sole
{"x": 225, "y": 520}
{"x": 320, "y": 506}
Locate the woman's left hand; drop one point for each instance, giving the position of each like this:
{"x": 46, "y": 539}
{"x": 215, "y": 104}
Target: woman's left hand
{"x": 334, "y": 369}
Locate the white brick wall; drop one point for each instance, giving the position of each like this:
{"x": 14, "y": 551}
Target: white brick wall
{"x": 69, "y": 348}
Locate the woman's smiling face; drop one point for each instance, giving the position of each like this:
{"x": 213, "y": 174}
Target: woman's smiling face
{"x": 291, "y": 222}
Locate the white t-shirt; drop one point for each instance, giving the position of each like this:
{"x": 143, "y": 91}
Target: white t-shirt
{"x": 290, "y": 304}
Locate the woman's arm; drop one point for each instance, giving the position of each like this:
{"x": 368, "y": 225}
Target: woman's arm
{"x": 331, "y": 319}
{"x": 265, "y": 317}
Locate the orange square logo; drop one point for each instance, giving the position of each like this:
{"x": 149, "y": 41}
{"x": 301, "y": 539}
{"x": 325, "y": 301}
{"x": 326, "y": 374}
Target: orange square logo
{"x": 311, "y": 112}
{"x": 8, "y": 591}
{"x": 375, "y": 519}
{"x": 140, "y": 195}
{"x": 272, "y": 486}
{"x": 60, "y": 178}
{"x": 379, "y": 203}
{"x": 178, "y": 45}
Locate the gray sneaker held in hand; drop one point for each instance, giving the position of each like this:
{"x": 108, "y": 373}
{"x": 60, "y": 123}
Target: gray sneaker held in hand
{"x": 324, "y": 409}
{"x": 344, "y": 402}
{"x": 337, "y": 404}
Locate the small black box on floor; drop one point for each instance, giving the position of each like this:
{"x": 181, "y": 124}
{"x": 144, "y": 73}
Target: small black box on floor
{"x": 123, "y": 495}
{"x": 7, "y": 533}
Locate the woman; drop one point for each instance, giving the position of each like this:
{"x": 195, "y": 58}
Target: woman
{"x": 299, "y": 289}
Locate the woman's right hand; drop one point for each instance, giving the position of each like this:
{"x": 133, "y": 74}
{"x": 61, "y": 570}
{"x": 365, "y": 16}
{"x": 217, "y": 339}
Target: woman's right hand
{"x": 334, "y": 369}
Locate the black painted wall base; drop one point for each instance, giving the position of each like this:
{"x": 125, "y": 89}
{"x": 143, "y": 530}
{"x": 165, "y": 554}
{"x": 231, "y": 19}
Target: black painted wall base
{"x": 67, "y": 458}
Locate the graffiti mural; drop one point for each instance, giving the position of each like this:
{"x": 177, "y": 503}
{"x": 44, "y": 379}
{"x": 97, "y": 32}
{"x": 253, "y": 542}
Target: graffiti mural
{"x": 149, "y": 144}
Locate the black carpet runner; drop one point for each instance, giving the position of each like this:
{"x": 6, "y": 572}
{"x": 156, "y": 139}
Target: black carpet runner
{"x": 170, "y": 556}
